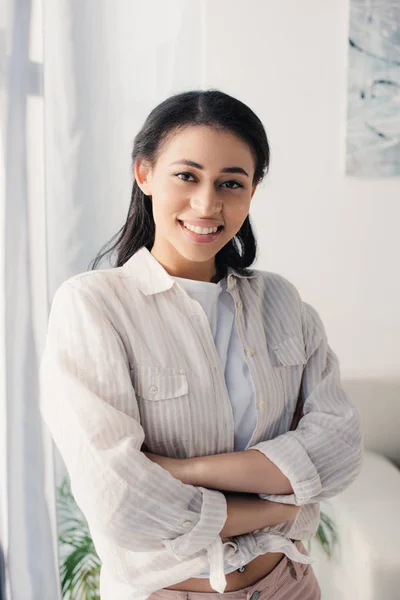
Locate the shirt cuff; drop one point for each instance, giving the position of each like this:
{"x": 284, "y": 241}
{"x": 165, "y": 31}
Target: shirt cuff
{"x": 290, "y": 456}
{"x": 212, "y": 518}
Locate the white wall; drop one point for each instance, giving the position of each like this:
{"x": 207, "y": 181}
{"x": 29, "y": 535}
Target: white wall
{"x": 336, "y": 238}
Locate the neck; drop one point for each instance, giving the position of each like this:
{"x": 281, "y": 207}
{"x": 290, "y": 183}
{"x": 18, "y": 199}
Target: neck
{"x": 187, "y": 269}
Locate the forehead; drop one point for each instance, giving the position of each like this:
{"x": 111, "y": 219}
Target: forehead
{"x": 209, "y": 146}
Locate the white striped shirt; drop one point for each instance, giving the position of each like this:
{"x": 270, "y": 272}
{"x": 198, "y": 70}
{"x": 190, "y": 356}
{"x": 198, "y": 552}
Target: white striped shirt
{"x": 130, "y": 359}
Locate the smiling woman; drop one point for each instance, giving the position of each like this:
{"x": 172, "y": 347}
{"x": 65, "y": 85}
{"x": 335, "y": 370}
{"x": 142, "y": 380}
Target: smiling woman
{"x": 196, "y": 201}
{"x": 220, "y": 369}
{"x": 211, "y": 136}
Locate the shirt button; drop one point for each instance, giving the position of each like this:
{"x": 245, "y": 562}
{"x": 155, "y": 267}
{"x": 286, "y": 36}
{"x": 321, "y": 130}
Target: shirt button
{"x": 187, "y": 524}
{"x": 255, "y": 596}
{"x": 250, "y": 351}
{"x": 262, "y": 405}
{"x": 239, "y": 304}
{"x": 260, "y": 547}
{"x": 153, "y": 389}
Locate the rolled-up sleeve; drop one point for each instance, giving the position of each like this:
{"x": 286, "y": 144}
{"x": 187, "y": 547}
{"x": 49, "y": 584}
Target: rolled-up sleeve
{"x": 88, "y": 402}
{"x": 324, "y": 454}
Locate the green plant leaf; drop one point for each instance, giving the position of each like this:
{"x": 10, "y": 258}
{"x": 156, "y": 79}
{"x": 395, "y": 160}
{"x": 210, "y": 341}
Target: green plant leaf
{"x": 79, "y": 562}
{"x": 326, "y": 535}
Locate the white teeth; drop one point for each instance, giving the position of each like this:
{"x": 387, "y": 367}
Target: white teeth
{"x": 201, "y": 230}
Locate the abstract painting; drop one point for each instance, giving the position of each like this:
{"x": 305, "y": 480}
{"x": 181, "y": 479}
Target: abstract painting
{"x": 373, "y": 117}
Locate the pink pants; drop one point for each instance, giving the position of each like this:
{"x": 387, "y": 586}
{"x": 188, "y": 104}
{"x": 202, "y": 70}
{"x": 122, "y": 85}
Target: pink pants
{"x": 289, "y": 580}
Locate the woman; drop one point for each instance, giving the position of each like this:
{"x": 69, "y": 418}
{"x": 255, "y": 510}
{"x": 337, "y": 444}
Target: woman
{"x": 222, "y": 371}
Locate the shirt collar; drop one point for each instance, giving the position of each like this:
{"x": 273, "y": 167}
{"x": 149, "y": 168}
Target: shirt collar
{"x": 151, "y": 276}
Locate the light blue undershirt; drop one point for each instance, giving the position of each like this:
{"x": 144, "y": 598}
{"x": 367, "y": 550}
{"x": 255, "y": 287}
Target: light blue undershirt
{"x": 219, "y": 307}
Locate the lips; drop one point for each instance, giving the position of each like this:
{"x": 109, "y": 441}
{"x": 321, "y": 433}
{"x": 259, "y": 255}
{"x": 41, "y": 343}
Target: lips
{"x": 203, "y": 224}
{"x": 200, "y": 238}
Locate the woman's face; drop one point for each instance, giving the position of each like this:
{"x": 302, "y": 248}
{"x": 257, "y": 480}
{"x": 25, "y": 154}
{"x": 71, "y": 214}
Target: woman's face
{"x": 202, "y": 177}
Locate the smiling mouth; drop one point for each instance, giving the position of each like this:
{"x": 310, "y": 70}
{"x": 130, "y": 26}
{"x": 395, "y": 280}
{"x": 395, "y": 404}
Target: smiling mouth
{"x": 220, "y": 227}
{"x": 200, "y": 238}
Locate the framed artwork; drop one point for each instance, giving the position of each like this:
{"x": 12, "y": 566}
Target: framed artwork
{"x": 373, "y": 116}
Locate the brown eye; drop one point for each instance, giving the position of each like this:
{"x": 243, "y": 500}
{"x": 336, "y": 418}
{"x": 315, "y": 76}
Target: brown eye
{"x": 239, "y": 185}
{"x": 184, "y": 174}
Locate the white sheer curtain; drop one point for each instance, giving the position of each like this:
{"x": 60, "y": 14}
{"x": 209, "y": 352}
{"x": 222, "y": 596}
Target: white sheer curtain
{"x": 81, "y": 78}
{"x": 26, "y": 479}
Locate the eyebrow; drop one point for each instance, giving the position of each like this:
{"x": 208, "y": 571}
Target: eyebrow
{"x": 196, "y": 165}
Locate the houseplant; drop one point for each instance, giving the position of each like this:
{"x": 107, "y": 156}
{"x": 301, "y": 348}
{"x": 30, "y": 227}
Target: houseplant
{"x": 79, "y": 563}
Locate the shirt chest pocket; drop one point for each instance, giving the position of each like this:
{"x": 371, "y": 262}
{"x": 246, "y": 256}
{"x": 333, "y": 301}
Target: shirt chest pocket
{"x": 290, "y": 360}
{"x": 163, "y": 399}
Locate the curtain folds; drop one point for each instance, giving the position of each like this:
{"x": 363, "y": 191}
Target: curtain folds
{"x": 28, "y": 533}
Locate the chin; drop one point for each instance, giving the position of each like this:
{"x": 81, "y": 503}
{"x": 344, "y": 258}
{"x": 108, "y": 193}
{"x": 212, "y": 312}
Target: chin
{"x": 196, "y": 256}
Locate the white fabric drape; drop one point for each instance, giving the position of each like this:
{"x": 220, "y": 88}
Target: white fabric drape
{"x": 81, "y": 79}
{"x": 28, "y": 534}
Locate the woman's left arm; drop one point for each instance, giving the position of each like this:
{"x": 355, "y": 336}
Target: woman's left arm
{"x": 318, "y": 460}
{"x": 235, "y": 472}
{"x": 324, "y": 454}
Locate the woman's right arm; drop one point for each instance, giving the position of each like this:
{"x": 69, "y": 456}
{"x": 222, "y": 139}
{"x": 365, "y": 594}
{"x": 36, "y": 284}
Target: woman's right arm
{"x": 248, "y": 512}
{"x": 89, "y": 404}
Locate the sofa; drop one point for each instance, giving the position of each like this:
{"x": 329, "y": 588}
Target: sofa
{"x": 366, "y": 561}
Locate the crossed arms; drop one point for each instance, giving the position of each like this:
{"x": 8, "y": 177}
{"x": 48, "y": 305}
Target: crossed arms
{"x": 244, "y": 472}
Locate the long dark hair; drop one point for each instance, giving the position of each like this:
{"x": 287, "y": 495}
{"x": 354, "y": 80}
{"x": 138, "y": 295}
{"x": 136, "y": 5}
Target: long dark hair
{"x": 213, "y": 108}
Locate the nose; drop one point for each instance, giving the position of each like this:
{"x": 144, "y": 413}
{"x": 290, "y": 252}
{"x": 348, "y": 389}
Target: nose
{"x": 206, "y": 202}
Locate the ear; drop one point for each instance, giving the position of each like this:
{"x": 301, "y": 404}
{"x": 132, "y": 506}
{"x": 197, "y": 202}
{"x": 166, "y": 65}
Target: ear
{"x": 143, "y": 175}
